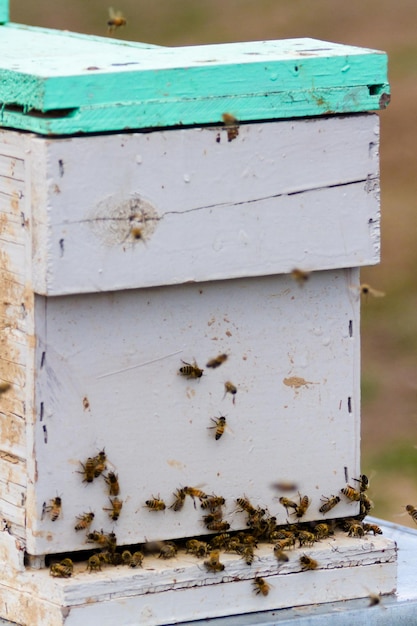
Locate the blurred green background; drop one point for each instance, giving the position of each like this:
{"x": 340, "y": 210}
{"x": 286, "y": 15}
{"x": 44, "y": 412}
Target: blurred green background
{"x": 389, "y": 325}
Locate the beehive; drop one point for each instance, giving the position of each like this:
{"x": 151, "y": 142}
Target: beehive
{"x": 154, "y": 204}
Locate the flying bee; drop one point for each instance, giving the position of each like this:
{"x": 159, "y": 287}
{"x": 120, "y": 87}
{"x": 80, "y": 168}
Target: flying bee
{"x": 178, "y": 503}
{"x": 190, "y": 371}
{"x": 363, "y": 481}
{"x": 372, "y": 528}
{"x": 94, "y": 563}
{"x": 412, "y": 511}
{"x": 232, "y": 126}
{"x": 196, "y": 547}
{"x": 84, "y": 521}
{"x": 303, "y": 506}
{"x": 212, "y": 502}
{"x": 307, "y": 562}
{"x": 230, "y": 388}
{"x": 54, "y": 508}
{"x": 112, "y": 481}
{"x": 367, "y": 290}
{"x": 217, "y": 361}
{"x": 99, "y": 463}
{"x": 329, "y": 504}
{"x": 280, "y": 555}
{"x": 116, "y": 20}
{"x": 261, "y": 586}
{"x": 155, "y": 504}
{"x": 116, "y": 507}
{"x": 4, "y": 387}
{"x": 136, "y": 232}
{"x": 285, "y": 486}
{"x": 352, "y": 494}
{"x": 167, "y": 550}
{"x": 88, "y": 470}
{"x": 63, "y": 569}
{"x": 218, "y": 526}
{"x": 288, "y": 504}
{"x": 213, "y": 563}
{"x": 300, "y": 276}
{"x": 219, "y": 425}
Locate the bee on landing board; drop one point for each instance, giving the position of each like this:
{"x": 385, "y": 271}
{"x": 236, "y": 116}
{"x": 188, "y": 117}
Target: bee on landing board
{"x": 63, "y": 569}
{"x": 190, "y": 371}
{"x": 54, "y": 508}
{"x": 307, "y": 562}
{"x": 213, "y": 562}
{"x": 116, "y": 20}
{"x": 261, "y": 586}
{"x": 217, "y": 361}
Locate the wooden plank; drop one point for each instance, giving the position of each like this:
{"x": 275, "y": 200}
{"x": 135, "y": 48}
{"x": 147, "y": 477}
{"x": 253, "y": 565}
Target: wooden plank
{"x": 77, "y": 81}
{"x": 109, "y": 377}
{"x": 181, "y": 589}
{"x": 211, "y": 209}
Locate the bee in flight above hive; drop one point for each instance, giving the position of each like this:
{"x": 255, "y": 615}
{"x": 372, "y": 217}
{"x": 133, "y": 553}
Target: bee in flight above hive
{"x": 217, "y": 361}
{"x": 116, "y": 20}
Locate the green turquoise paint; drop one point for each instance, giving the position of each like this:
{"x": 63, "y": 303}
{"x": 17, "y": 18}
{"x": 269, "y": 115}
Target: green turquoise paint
{"x": 53, "y": 82}
{"x": 4, "y": 11}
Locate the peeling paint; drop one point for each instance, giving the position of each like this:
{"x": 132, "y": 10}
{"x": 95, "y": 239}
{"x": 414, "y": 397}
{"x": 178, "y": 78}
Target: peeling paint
{"x": 117, "y": 220}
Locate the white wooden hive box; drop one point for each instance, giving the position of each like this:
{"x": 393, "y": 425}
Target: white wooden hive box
{"x": 122, "y": 257}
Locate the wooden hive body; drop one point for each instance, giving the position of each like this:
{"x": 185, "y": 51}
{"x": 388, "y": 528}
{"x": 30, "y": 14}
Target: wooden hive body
{"x": 124, "y": 255}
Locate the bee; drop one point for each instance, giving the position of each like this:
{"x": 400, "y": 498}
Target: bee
{"x": 219, "y": 526}
{"x": 190, "y": 371}
{"x": 212, "y": 502}
{"x": 329, "y": 504}
{"x": 132, "y": 560}
{"x": 94, "y": 563}
{"x": 322, "y": 531}
{"x": 88, "y": 470}
{"x": 232, "y": 126}
{"x": 288, "y": 542}
{"x": 285, "y": 486}
{"x": 99, "y": 463}
{"x": 194, "y": 492}
{"x": 300, "y": 276}
{"x": 215, "y": 516}
{"x": 302, "y": 506}
{"x": 352, "y": 494}
{"x": 136, "y": 232}
{"x": 4, "y": 387}
{"x": 220, "y": 541}
{"x": 307, "y": 562}
{"x": 178, "y": 503}
{"x": 372, "y": 528}
{"x": 168, "y": 550}
{"x": 280, "y": 555}
{"x": 116, "y": 20}
{"x": 356, "y": 530}
{"x": 248, "y": 554}
{"x": 213, "y": 563}
{"x": 63, "y": 569}
{"x": 363, "y": 481}
{"x": 217, "y": 361}
{"x": 261, "y": 586}
{"x": 107, "y": 541}
{"x": 54, "y": 508}
{"x": 374, "y": 599}
{"x": 412, "y": 511}
{"x": 112, "y": 481}
{"x": 288, "y": 504}
{"x": 219, "y": 425}
{"x": 196, "y": 547}
{"x": 155, "y": 504}
{"x": 246, "y": 506}
{"x": 367, "y": 290}
{"x": 230, "y": 388}
{"x": 84, "y": 521}
{"x": 116, "y": 507}
{"x": 306, "y": 538}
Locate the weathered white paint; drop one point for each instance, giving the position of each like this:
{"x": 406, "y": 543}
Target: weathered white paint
{"x": 283, "y": 194}
{"x": 165, "y": 592}
{"x": 121, "y": 352}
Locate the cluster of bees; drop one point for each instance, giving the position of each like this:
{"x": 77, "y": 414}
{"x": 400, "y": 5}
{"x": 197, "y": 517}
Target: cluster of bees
{"x": 261, "y": 527}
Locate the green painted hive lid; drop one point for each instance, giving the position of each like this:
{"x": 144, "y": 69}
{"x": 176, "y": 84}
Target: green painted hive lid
{"x": 59, "y": 83}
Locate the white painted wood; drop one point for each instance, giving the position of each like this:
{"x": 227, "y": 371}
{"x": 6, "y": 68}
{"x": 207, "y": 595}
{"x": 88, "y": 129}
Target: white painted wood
{"x": 120, "y": 353}
{"x": 283, "y": 194}
{"x": 181, "y": 590}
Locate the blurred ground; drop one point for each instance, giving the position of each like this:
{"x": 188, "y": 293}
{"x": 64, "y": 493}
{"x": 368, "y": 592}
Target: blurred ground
{"x": 389, "y": 325}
